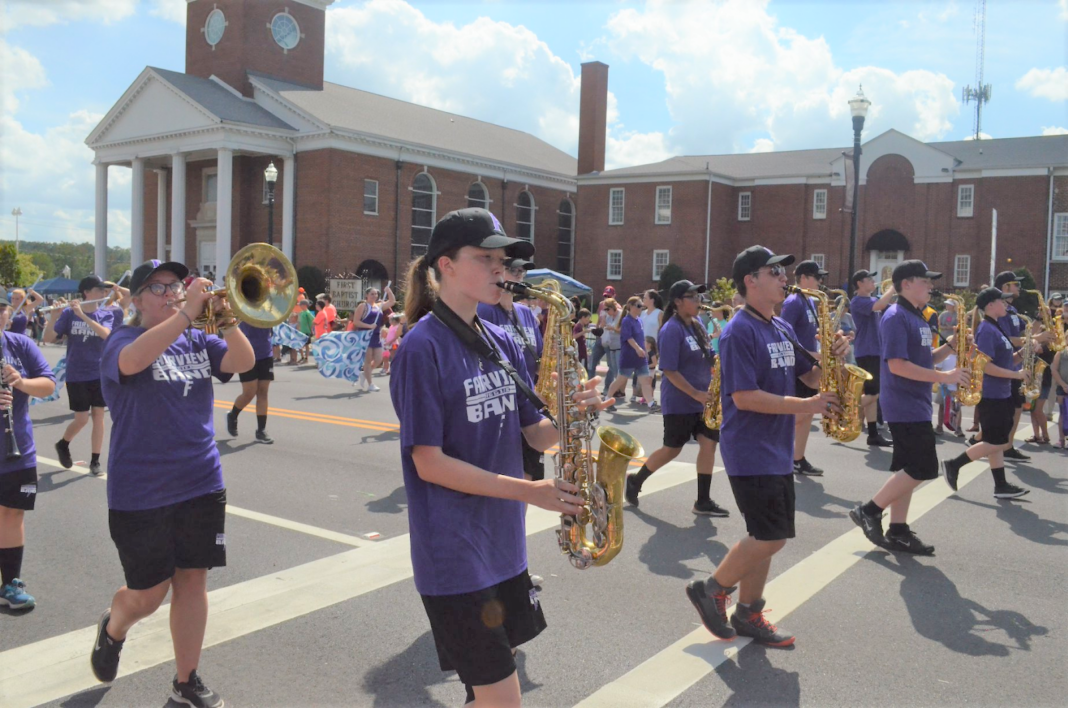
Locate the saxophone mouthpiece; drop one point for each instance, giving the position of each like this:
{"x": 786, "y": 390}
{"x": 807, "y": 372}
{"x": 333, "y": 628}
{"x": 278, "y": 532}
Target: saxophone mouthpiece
{"x": 521, "y": 289}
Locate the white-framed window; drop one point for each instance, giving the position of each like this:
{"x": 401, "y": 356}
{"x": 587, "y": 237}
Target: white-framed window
{"x": 663, "y": 205}
{"x": 660, "y": 261}
{"x": 478, "y": 195}
{"x": 615, "y": 206}
{"x": 524, "y": 216}
{"x": 1060, "y": 236}
{"x": 370, "y": 197}
{"x": 965, "y": 199}
{"x": 565, "y": 237}
{"x": 819, "y": 204}
{"x": 820, "y": 259}
{"x": 745, "y": 206}
{"x": 962, "y": 271}
{"x": 615, "y": 265}
{"x": 424, "y": 212}
{"x": 210, "y": 185}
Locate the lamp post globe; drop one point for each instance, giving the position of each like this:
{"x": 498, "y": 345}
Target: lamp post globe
{"x": 858, "y": 108}
{"x": 270, "y": 176}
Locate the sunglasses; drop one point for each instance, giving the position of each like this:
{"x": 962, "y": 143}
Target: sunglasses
{"x": 160, "y": 289}
{"x": 516, "y": 271}
{"x": 775, "y": 271}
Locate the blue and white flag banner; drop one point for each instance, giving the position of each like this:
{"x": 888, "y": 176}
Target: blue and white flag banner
{"x": 60, "y": 371}
{"x": 339, "y": 355}
{"x": 287, "y": 335}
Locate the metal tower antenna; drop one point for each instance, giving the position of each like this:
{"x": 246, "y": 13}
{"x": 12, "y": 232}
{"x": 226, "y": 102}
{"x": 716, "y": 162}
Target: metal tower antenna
{"x": 981, "y": 93}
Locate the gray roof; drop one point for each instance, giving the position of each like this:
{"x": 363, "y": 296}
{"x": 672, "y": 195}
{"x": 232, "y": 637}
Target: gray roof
{"x": 221, "y": 102}
{"x": 378, "y": 116}
{"x": 1004, "y": 153}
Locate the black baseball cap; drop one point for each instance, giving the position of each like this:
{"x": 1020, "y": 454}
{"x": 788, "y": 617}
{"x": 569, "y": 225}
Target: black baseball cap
{"x": 144, "y": 271}
{"x": 753, "y": 259}
{"x": 809, "y": 268}
{"x": 913, "y": 269}
{"x": 92, "y": 281}
{"x": 518, "y": 263}
{"x": 989, "y": 295}
{"x": 1004, "y": 278}
{"x": 683, "y": 288}
{"x": 861, "y": 275}
{"x": 473, "y": 227}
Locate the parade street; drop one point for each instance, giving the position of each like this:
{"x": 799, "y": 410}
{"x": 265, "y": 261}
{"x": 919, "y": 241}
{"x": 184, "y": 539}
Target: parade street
{"x": 317, "y": 607}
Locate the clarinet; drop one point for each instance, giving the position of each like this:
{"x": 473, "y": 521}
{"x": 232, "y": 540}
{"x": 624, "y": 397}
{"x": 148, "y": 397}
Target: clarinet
{"x": 10, "y": 442}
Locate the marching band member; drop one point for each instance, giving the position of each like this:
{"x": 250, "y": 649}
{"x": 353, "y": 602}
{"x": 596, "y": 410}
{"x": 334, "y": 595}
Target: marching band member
{"x": 995, "y": 410}
{"x": 166, "y": 511}
{"x": 86, "y": 330}
{"x": 255, "y": 382}
{"x": 27, "y": 374}
{"x": 866, "y": 309}
{"x": 633, "y": 356}
{"x": 799, "y": 312}
{"x": 368, "y": 315}
{"x": 907, "y": 372}
{"x": 759, "y": 369}
{"x": 20, "y": 306}
{"x": 686, "y": 358}
{"x": 454, "y": 387}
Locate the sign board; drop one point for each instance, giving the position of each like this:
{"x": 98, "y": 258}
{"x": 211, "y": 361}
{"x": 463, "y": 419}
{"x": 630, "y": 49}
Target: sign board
{"x": 346, "y": 294}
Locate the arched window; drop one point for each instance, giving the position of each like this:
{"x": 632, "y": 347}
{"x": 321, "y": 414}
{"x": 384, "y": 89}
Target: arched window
{"x": 477, "y": 196}
{"x": 524, "y": 216}
{"x": 565, "y": 237}
{"x": 424, "y": 204}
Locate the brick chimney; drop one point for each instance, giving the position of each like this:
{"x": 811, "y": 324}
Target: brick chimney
{"x": 593, "y": 117}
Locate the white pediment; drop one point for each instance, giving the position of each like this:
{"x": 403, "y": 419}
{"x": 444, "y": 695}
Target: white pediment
{"x": 150, "y": 108}
{"x": 928, "y": 164}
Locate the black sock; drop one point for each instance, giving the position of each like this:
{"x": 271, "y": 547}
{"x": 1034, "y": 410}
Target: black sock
{"x": 95, "y": 459}
{"x": 643, "y": 474}
{"x": 261, "y": 422}
{"x": 704, "y": 485}
{"x": 234, "y": 411}
{"x": 10, "y": 564}
{"x": 999, "y": 476}
{"x": 873, "y": 428}
{"x": 961, "y": 459}
{"x": 898, "y": 529}
{"x": 871, "y": 508}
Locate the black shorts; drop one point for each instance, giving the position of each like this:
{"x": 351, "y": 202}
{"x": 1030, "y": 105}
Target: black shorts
{"x": 995, "y": 419}
{"x": 871, "y": 364}
{"x": 154, "y": 542}
{"x": 1016, "y": 397}
{"x": 475, "y": 632}
{"x": 803, "y": 391}
{"x": 914, "y": 450}
{"x": 680, "y": 428}
{"x": 767, "y": 503}
{"x": 18, "y": 489}
{"x": 263, "y": 370}
{"x": 533, "y": 462}
{"x": 84, "y": 395}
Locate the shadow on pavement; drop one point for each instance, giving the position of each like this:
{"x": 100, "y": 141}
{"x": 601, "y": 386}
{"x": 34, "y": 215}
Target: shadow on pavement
{"x": 227, "y": 447}
{"x": 755, "y": 681}
{"x": 666, "y": 550}
{"x": 813, "y": 499}
{"x": 395, "y": 503}
{"x": 87, "y": 699}
{"x": 64, "y": 418}
{"x": 332, "y": 397}
{"x": 384, "y": 436}
{"x": 404, "y": 678}
{"x": 1025, "y": 523}
{"x": 46, "y": 483}
{"x": 1040, "y": 479}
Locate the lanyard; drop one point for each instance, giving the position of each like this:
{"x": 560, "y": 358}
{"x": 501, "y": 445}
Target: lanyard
{"x": 784, "y": 332}
{"x": 513, "y": 317}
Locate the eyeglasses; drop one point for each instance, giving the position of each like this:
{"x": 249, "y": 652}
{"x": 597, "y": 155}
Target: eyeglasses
{"x": 775, "y": 271}
{"x": 160, "y": 289}
{"x": 518, "y": 272}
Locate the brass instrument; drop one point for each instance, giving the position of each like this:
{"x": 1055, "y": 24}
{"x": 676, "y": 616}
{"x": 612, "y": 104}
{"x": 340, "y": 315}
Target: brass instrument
{"x": 1029, "y": 361}
{"x": 595, "y": 535}
{"x": 106, "y": 300}
{"x": 974, "y": 360}
{"x": 1050, "y": 323}
{"x": 713, "y": 414}
{"x": 886, "y": 285}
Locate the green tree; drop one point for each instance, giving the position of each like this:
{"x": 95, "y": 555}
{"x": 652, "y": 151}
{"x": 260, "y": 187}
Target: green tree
{"x": 668, "y": 277}
{"x": 1025, "y": 302}
{"x": 45, "y": 263}
{"x": 722, "y": 291}
{"x": 28, "y": 272}
{"x": 10, "y": 267}
{"x": 312, "y": 280}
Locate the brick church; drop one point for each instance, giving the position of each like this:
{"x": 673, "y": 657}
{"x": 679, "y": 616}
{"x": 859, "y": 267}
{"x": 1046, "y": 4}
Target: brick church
{"x": 362, "y": 178}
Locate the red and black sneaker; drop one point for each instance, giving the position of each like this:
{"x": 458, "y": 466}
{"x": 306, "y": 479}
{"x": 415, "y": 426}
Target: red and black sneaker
{"x": 711, "y": 600}
{"x": 751, "y": 622}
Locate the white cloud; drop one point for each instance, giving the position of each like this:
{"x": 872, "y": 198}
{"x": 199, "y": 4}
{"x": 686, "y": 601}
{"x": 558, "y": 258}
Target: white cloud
{"x": 982, "y": 136}
{"x": 1054, "y": 130}
{"x": 1045, "y": 83}
{"x": 172, "y": 10}
{"x": 763, "y": 145}
{"x": 1064, "y": 9}
{"x": 41, "y": 13}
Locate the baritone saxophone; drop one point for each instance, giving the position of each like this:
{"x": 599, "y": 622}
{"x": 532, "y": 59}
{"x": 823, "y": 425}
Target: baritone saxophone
{"x": 713, "y": 415}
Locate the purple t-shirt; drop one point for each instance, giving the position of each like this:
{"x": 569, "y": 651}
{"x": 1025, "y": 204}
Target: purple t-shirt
{"x": 373, "y": 315}
{"x": 84, "y": 347}
{"x": 259, "y": 338}
{"x": 866, "y": 319}
{"x": 757, "y": 355}
{"x": 631, "y": 329}
{"x": 680, "y": 350}
{"x": 522, "y": 325}
{"x": 22, "y": 353}
{"x": 1012, "y": 326}
{"x": 18, "y": 324}
{"x": 800, "y": 313}
{"x": 905, "y": 335}
{"x": 447, "y": 396}
{"x": 990, "y": 340}
{"x": 163, "y": 430}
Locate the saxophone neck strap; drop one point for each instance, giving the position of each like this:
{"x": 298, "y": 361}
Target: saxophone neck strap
{"x": 785, "y": 333}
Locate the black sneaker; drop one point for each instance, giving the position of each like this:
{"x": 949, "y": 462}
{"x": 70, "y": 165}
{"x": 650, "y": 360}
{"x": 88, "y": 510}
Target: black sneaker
{"x": 1009, "y": 491}
{"x": 105, "y": 657}
{"x": 952, "y": 470}
{"x": 871, "y": 525}
{"x": 879, "y": 441}
{"x": 231, "y": 424}
{"x": 908, "y": 542}
{"x": 751, "y": 622}
{"x": 972, "y": 441}
{"x": 194, "y": 693}
{"x": 712, "y": 608}
{"x": 95, "y": 469}
{"x": 804, "y": 468}
{"x": 1014, "y": 454}
{"x": 632, "y": 490}
{"x": 263, "y": 437}
{"x": 709, "y": 508}
{"x": 63, "y": 451}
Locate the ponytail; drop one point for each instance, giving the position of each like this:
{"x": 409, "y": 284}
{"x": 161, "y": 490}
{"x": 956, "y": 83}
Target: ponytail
{"x": 421, "y": 287}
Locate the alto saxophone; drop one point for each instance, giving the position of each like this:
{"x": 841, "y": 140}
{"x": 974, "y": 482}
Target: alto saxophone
{"x": 595, "y": 535}
{"x": 1051, "y": 324}
{"x": 1029, "y": 361}
{"x": 974, "y": 360}
{"x": 713, "y": 415}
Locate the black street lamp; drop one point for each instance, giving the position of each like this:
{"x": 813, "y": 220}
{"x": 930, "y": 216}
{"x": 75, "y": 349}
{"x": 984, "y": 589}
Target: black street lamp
{"x": 271, "y": 176}
{"x": 858, "y": 106}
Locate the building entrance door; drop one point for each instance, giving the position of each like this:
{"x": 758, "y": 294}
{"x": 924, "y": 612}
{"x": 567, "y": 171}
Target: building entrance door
{"x": 206, "y": 259}
{"x": 884, "y": 262}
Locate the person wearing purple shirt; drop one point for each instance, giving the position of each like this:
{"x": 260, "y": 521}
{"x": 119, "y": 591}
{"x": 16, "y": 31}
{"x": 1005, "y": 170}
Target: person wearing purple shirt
{"x": 907, "y": 374}
{"x": 255, "y": 383}
{"x": 25, "y": 373}
{"x": 759, "y": 368}
{"x": 86, "y": 328}
{"x": 686, "y": 358}
{"x": 867, "y": 309}
{"x": 166, "y": 503}
{"x": 799, "y": 312}
{"x": 461, "y": 419}
{"x": 633, "y": 358}
{"x": 995, "y": 410}
{"x": 368, "y": 315}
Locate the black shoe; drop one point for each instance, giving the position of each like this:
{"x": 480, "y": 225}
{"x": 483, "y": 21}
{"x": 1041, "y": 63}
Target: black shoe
{"x": 709, "y": 508}
{"x": 63, "y": 451}
{"x": 804, "y": 468}
{"x": 632, "y": 490}
{"x": 972, "y": 441}
{"x": 952, "y": 470}
{"x": 712, "y": 608}
{"x": 263, "y": 437}
{"x": 879, "y": 441}
{"x": 908, "y": 542}
{"x": 194, "y": 693}
{"x": 1009, "y": 491}
{"x": 95, "y": 469}
{"x": 1014, "y": 454}
{"x": 231, "y": 424}
{"x": 871, "y": 525}
{"x": 105, "y": 657}
{"x": 751, "y": 622}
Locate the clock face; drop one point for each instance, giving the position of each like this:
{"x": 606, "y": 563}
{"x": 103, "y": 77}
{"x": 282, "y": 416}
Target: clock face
{"x": 214, "y": 27}
{"x": 285, "y": 31}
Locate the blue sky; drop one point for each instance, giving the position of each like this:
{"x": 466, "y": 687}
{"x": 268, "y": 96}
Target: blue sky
{"x": 690, "y": 77}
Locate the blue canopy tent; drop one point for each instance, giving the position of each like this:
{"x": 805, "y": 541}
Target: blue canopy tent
{"x": 568, "y": 286}
{"x": 57, "y": 286}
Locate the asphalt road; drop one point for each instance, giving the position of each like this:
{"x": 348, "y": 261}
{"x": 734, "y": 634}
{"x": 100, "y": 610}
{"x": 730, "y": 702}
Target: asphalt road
{"x": 317, "y": 606}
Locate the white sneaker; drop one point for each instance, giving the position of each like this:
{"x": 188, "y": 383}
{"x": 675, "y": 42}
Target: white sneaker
{"x": 374, "y": 388}
{"x": 537, "y": 580}
{"x": 363, "y": 382}
{"x": 633, "y": 399}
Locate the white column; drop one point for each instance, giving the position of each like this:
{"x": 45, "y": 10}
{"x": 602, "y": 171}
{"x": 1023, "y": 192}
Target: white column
{"x": 101, "y": 252}
{"x": 161, "y": 214}
{"x": 178, "y": 207}
{"x": 137, "y": 215}
{"x": 288, "y": 170}
{"x": 223, "y": 211}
